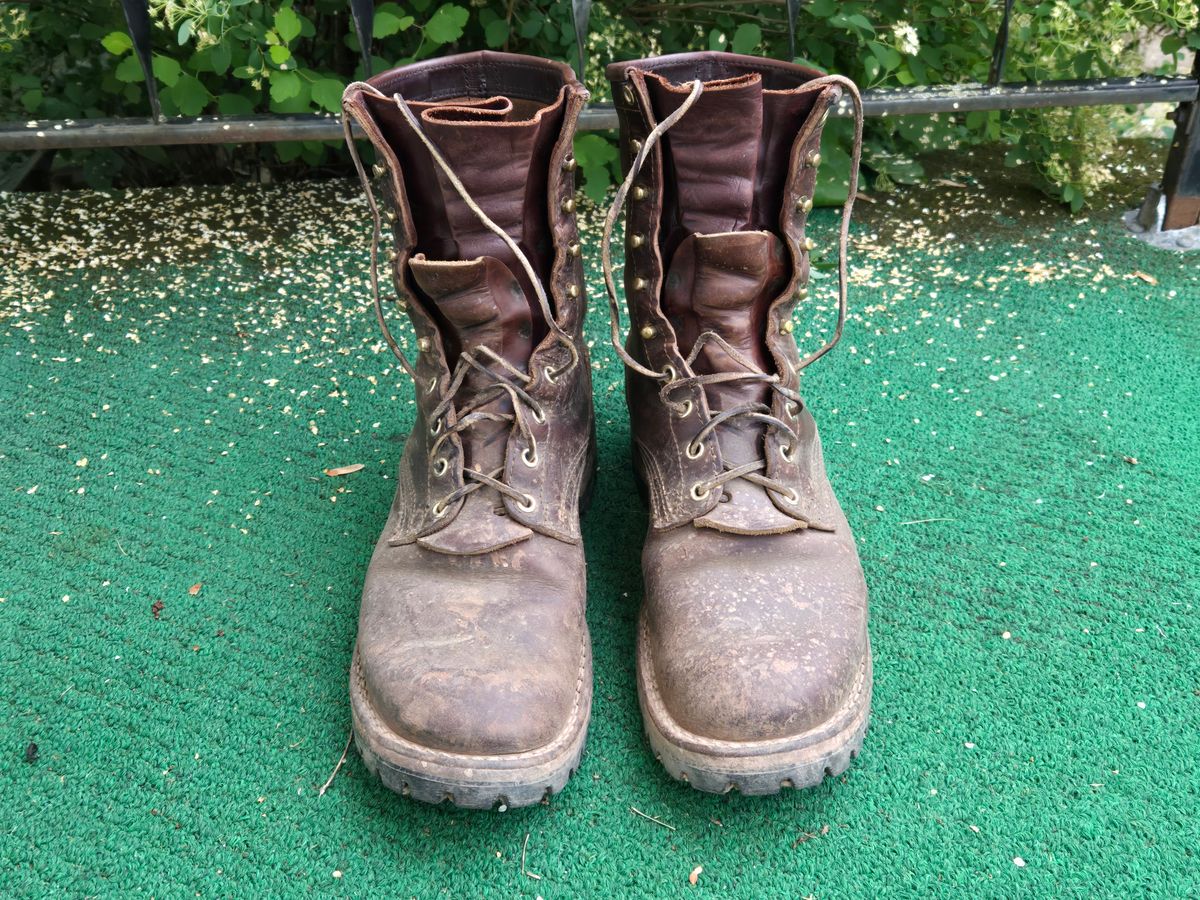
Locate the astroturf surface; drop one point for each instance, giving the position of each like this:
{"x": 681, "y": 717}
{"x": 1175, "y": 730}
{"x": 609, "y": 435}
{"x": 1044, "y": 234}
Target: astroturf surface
{"x": 1010, "y": 423}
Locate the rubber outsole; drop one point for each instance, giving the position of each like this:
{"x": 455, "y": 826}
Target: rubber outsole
{"x": 754, "y": 767}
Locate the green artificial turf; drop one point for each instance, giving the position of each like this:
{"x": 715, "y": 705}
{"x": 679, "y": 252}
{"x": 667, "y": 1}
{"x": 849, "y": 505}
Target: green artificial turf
{"x": 1010, "y": 424}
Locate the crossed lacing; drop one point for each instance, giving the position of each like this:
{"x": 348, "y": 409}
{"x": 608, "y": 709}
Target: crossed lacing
{"x": 755, "y": 411}
{"x": 471, "y": 412}
{"x": 516, "y": 381}
{"x": 751, "y": 411}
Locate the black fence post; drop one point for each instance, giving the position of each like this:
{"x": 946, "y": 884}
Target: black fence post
{"x": 1181, "y": 179}
{"x": 363, "y": 13}
{"x": 137, "y": 17}
{"x": 1000, "y": 49}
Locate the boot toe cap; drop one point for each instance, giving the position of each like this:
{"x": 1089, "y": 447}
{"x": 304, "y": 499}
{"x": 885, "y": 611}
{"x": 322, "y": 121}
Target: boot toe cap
{"x": 457, "y": 708}
{"x": 771, "y": 647}
{"x": 469, "y": 655}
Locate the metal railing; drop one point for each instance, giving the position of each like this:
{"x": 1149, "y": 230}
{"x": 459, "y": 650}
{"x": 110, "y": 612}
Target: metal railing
{"x": 1180, "y": 184}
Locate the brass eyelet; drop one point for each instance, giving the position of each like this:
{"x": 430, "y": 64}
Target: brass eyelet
{"x": 698, "y": 494}
{"x": 647, "y": 332}
{"x": 440, "y": 466}
{"x": 568, "y": 205}
{"x": 788, "y": 453}
{"x": 685, "y": 411}
{"x": 529, "y": 504}
{"x": 424, "y": 344}
{"x": 639, "y": 284}
{"x": 551, "y": 374}
{"x": 539, "y": 416}
{"x": 436, "y": 427}
{"x": 640, "y": 193}
{"x": 636, "y": 240}
{"x": 792, "y": 409}
{"x": 531, "y": 461}
{"x": 791, "y": 496}
{"x": 433, "y": 383}
{"x": 569, "y": 164}
{"x": 695, "y": 449}
{"x": 438, "y": 509}
{"x": 669, "y": 373}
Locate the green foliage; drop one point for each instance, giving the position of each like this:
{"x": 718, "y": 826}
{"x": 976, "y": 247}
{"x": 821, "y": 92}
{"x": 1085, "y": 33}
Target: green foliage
{"x": 238, "y": 57}
{"x": 598, "y": 159}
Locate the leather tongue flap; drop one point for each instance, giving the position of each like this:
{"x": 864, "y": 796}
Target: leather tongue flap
{"x": 478, "y": 303}
{"x": 481, "y": 526}
{"x": 725, "y": 284}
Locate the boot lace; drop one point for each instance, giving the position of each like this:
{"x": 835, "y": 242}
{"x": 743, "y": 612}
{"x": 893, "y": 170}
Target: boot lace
{"x": 471, "y": 413}
{"x": 511, "y": 380}
{"x": 672, "y": 381}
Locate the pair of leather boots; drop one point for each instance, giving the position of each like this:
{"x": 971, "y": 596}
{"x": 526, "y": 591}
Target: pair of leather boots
{"x": 472, "y": 673}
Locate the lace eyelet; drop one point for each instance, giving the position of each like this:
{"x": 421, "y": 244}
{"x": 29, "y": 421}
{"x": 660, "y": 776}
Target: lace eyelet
{"x": 694, "y": 450}
{"x": 539, "y": 416}
{"x": 529, "y": 504}
{"x": 698, "y": 494}
{"x": 791, "y": 496}
{"x": 438, "y": 509}
{"x": 530, "y": 460}
{"x": 433, "y": 383}
{"x": 440, "y": 467}
{"x": 686, "y": 410}
{"x": 551, "y": 374}
{"x": 788, "y": 453}
{"x": 669, "y": 373}
{"x": 792, "y": 409}
{"x": 436, "y": 427}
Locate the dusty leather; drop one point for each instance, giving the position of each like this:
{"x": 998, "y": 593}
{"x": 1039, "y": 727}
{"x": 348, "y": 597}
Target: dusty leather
{"x": 471, "y": 636}
{"x": 755, "y": 613}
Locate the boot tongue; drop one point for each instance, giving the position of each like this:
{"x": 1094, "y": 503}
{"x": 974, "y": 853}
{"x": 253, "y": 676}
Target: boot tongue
{"x": 499, "y": 150}
{"x": 725, "y": 283}
{"x": 713, "y": 150}
{"x": 478, "y": 303}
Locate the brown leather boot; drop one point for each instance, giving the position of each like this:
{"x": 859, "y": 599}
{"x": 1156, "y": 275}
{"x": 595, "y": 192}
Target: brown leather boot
{"x": 472, "y": 678}
{"x": 754, "y": 665}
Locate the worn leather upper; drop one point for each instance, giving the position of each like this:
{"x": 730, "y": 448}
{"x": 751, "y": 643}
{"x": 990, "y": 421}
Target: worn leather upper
{"x": 754, "y": 619}
{"x": 472, "y": 638}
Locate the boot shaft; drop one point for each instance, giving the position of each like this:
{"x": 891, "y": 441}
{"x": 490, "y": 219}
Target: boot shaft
{"x": 716, "y": 261}
{"x": 475, "y": 164}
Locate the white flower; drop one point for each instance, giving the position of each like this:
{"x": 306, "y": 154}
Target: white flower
{"x": 907, "y": 41}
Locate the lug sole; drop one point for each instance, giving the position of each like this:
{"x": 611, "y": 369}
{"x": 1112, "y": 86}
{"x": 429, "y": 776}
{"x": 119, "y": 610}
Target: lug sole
{"x": 467, "y": 781}
{"x": 753, "y": 767}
